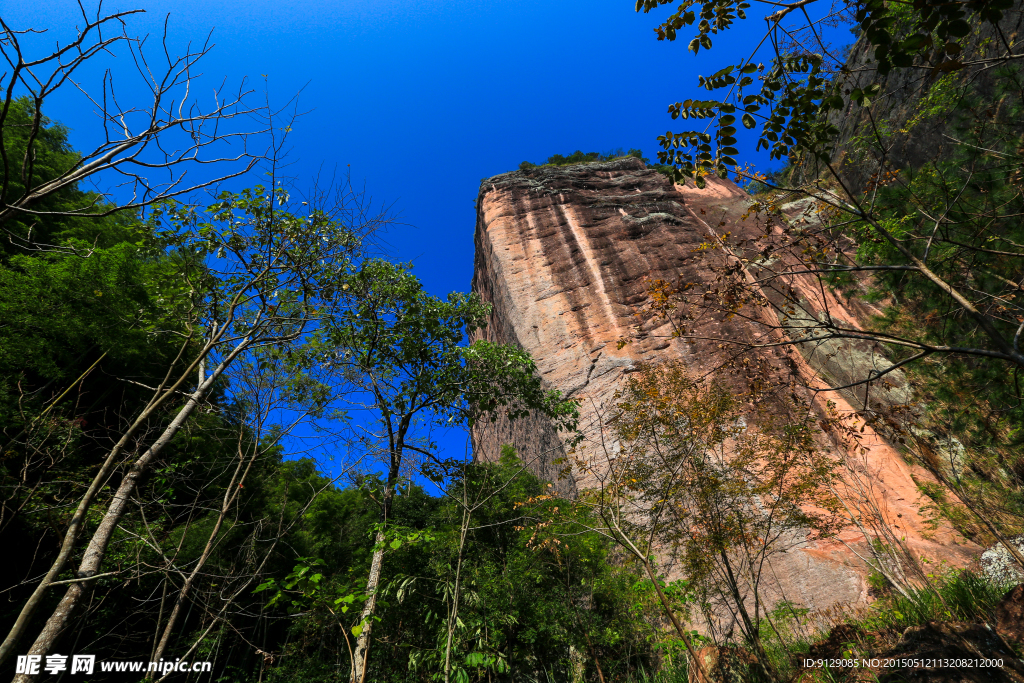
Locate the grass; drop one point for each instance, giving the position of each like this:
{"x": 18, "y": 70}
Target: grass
{"x": 579, "y": 157}
{"x": 668, "y": 673}
{"x": 959, "y": 595}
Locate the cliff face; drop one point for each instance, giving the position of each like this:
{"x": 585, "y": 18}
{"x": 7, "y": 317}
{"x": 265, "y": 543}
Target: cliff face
{"x": 564, "y": 255}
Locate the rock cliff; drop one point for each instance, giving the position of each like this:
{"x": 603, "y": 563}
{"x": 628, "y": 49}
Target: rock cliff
{"x": 564, "y": 255}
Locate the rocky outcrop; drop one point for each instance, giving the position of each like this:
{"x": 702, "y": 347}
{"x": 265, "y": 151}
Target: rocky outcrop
{"x": 999, "y": 565}
{"x": 908, "y": 122}
{"x": 565, "y": 256}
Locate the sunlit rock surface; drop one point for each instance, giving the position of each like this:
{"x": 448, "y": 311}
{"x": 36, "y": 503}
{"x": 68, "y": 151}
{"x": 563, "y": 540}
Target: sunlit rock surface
{"x": 564, "y": 255}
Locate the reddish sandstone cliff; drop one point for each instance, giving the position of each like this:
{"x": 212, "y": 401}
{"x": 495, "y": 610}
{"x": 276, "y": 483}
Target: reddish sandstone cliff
{"x": 563, "y": 254}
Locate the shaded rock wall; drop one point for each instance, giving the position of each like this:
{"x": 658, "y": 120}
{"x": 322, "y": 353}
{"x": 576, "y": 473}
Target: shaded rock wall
{"x": 894, "y": 120}
{"x": 563, "y": 254}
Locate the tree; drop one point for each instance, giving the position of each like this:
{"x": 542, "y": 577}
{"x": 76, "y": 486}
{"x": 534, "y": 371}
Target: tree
{"x": 148, "y": 147}
{"x": 930, "y": 35}
{"x": 523, "y": 590}
{"x": 699, "y": 486}
{"x": 801, "y": 101}
{"x": 535, "y": 595}
{"x": 262, "y": 384}
{"x": 494, "y": 490}
{"x": 903, "y": 188}
{"x": 403, "y": 349}
{"x": 248, "y": 279}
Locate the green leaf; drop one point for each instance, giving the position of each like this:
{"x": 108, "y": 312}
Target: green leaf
{"x": 833, "y": 102}
{"x": 916, "y": 41}
{"x": 902, "y": 60}
{"x": 748, "y": 121}
{"x": 357, "y": 629}
{"x": 958, "y": 28}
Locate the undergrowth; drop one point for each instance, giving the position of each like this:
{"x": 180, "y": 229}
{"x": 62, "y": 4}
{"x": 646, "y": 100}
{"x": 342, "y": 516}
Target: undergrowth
{"x": 792, "y": 633}
{"x": 957, "y": 596}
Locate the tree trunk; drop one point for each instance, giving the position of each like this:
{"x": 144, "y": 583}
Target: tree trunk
{"x": 753, "y": 632}
{"x": 963, "y": 498}
{"x": 95, "y": 551}
{"x": 78, "y": 520}
{"x": 359, "y": 658}
{"x": 593, "y": 654}
{"x": 229, "y": 498}
{"x": 466, "y": 514}
{"x": 361, "y": 655}
{"x": 675, "y": 622}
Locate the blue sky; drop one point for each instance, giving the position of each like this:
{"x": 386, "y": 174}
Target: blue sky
{"x": 421, "y": 100}
{"x": 424, "y": 99}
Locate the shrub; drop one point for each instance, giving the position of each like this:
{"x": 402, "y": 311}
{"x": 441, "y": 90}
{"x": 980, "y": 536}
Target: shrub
{"x": 580, "y": 157}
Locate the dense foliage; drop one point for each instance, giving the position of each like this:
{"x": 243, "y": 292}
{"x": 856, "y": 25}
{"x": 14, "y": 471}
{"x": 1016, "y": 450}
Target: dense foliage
{"x": 978, "y": 188}
{"x": 530, "y": 603}
{"x": 233, "y": 547}
{"x": 792, "y": 83}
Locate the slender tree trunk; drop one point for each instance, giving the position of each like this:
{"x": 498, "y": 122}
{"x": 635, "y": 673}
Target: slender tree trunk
{"x": 753, "y": 632}
{"x": 597, "y": 662}
{"x": 275, "y": 537}
{"x": 159, "y": 618}
{"x": 628, "y": 544}
{"x": 734, "y": 591}
{"x": 78, "y": 519}
{"x": 889, "y": 575}
{"x": 964, "y": 498}
{"x": 359, "y": 659}
{"x": 361, "y": 655}
{"x": 675, "y": 622}
{"x": 229, "y": 498}
{"x": 95, "y": 551}
{"x": 581, "y": 627}
{"x": 466, "y": 513}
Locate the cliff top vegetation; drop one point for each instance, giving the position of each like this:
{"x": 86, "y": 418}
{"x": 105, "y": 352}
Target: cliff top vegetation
{"x": 580, "y": 157}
